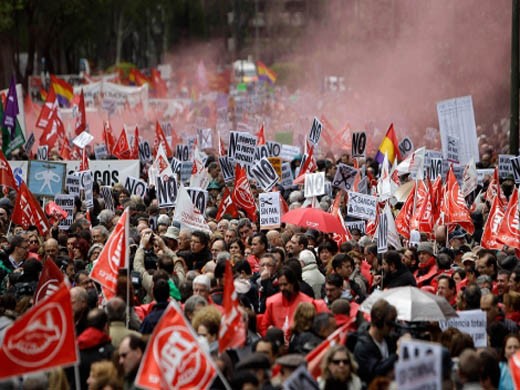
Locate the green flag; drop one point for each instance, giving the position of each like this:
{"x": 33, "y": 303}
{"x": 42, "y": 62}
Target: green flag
{"x": 10, "y": 144}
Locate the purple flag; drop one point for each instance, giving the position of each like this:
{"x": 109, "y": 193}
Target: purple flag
{"x": 11, "y": 108}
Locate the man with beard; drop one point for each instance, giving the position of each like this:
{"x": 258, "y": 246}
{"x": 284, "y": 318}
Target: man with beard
{"x": 396, "y": 274}
{"x": 281, "y": 306}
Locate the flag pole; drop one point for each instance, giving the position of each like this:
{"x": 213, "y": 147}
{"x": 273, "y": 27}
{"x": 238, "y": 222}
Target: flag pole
{"x": 222, "y": 378}
{"x": 128, "y": 298}
{"x": 76, "y": 376}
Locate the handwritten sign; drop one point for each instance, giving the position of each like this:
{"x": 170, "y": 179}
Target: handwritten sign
{"x": 269, "y": 210}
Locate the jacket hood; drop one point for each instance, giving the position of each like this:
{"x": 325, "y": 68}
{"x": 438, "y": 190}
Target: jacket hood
{"x": 92, "y": 337}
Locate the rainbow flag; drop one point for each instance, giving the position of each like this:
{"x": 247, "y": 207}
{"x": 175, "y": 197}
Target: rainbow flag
{"x": 390, "y": 146}
{"x": 264, "y": 73}
{"x": 63, "y": 90}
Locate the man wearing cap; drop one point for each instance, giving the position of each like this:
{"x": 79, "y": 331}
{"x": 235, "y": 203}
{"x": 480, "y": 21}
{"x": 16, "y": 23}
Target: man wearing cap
{"x": 457, "y": 238}
{"x": 171, "y": 237}
{"x": 428, "y": 270}
{"x": 289, "y": 363}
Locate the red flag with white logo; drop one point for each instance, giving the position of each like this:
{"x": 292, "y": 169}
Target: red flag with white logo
{"x": 54, "y": 132}
{"x": 260, "y": 136}
{"x": 308, "y": 164}
{"x": 226, "y": 206}
{"x": 514, "y": 367}
{"x": 160, "y": 138}
{"x": 50, "y": 280}
{"x": 6, "y": 174}
{"x": 135, "y": 145}
{"x": 55, "y": 212}
{"x": 108, "y": 136}
{"x": 42, "y": 338}
{"x": 241, "y": 195}
{"x": 454, "y": 206}
{"x": 84, "y": 165}
{"x": 402, "y": 221}
{"x": 232, "y": 332}
{"x": 28, "y": 212}
{"x": 81, "y": 118}
{"x": 121, "y": 149}
{"x": 51, "y": 104}
{"x": 174, "y": 358}
{"x": 492, "y": 225}
{"x": 113, "y": 257}
{"x": 509, "y": 231}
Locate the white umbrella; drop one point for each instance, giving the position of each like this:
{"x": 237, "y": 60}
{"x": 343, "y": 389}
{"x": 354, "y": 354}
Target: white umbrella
{"x": 412, "y": 304}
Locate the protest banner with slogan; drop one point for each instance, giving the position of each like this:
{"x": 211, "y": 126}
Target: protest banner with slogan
{"x": 185, "y": 174}
{"x": 457, "y": 119}
{"x": 166, "y": 191}
{"x": 264, "y": 174}
{"x": 242, "y": 147}
{"x": 227, "y": 168}
{"x": 314, "y": 184}
{"x": 136, "y": 186}
{"x": 434, "y": 168}
{"x": 108, "y": 172}
{"x": 100, "y": 151}
{"x": 453, "y": 149}
{"x": 42, "y": 153}
{"x": 344, "y": 177}
{"x": 419, "y": 365}
{"x": 86, "y": 180}
{"x": 382, "y": 233}
{"x": 66, "y": 202}
{"x": 359, "y": 143}
{"x": 360, "y": 225}
{"x": 72, "y": 185}
{"x": 199, "y": 198}
{"x": 269, "y": 210}
{"x": 504, "y": 165}
{"x": 406, "y": 147}
{"x": 182, "y": 152}
{"x": 315, "y": 132}
{"x": 287, "y": 176}
{"x": 472, "y": 322}
{"x": 289, "y": 152}
{"x": 361, "y": 206}
{"x": 83, "y": 139}
{"x": 515, "y": 166}
{"x": 145, "y": 152}
{"x": 46, "y": 178}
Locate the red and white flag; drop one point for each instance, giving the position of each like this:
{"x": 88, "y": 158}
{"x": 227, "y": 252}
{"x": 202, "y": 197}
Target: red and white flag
{"x": 113, "y": 257}
{"x": 260, "y": 136}
{"x": 174, "y": 358}
{"x": 81, "y": 116}
{"x": 28, "y": 212}
{"x": 51, "y": 105}
{"x": 108, "y": 137}
{"x": 308, "y": 164}
{"x": 54, "y": 133}
{"x": 55, "y": 212}
{"x": 242, "y": 195}
{"x": 492, "y": 225}
{"x": 232, "y": 332}
{"x": 135, "y": 145}
{"x": 509, "y": 231}
{"x": 42, "y": 338}
{"x": 121, "y": 149}
{"x": 160, "y": 139}
{"x": 84, "y": 165}
{"x": 6, "y": 174}
{"x": 226, "y": 206}
{"x": 403, "y": 219}
{"x": 50, "y": 280}
{"x": 454, "y": 207}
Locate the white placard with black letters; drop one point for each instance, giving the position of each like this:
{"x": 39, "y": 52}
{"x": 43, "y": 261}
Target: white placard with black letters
{"x": 314, "y": 184}
{"x": 264, "y": 174}
{"x": 359, "y": 143}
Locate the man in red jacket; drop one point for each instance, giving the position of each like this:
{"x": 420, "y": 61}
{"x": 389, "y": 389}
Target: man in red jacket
{"x": 428, "y": 270}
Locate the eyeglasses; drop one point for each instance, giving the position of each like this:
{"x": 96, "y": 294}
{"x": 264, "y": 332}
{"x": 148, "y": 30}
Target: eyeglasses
{"x": 33, "y": 241}
{"x": 337, "y": 362}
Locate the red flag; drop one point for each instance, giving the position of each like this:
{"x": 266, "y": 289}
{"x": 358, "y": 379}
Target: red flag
{"x": 308, "y": 164}
{"x": 371, "y": 226}
{"x": 158, "y": 84}
{"x": 108, "y": 136}
{"x": 66, "y": 150}
{"x": 6, "y": 174}
{"x": 232, "y": 332}
{"x": 260, "y": 136}
{"x": 345, "y": 236}
{"x": 81, "y": 119}
{"x": 514, "y": 367}
{"x": 455, "y": 209}
{"x": 51, "y": 104}
{"x": 315, "y": 356}
{"x": 242, "y": 195}
{"x": 494, "y": 190}
{"x": 50, "y": 280}
{"x": 509, "y": 231}
{"x": 113, "y": 257}
{"x": 226, "y": 206}
{"x": 54, "y": 211}
{"x": 492, "y": 225}
{"x": 84, "y": 165}
{"x": 42, "y": 338}
{"x": 54, "y": 132}
{"x": 160, "y": 138}
{"x": 402, "y": 220}
{"x": 28, "y": 212}
{"x": 425, "y": 219}
{"x": 121, "y": 149}
{"x": 135, "y": 146}
{"x": 173, "y": 357}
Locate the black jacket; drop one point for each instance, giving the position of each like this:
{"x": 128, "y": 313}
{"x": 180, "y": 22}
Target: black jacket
{"x": 399, "y": 278}
{"x": 371, "y": 363}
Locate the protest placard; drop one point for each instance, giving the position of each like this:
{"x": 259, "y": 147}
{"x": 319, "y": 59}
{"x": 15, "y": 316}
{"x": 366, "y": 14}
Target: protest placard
{"x": 136, "y": 186}
{"x": 86, "y": 180}
{"x": 419, "y": 365}
{"x": 176, "y": 165}
{"x": 434, "y": 168}
{"x": 287, "y": 176}
{"x": 314, "y": 184}
{"x": 344, "y": 177}
{"x": 406, "y": 147}
{"x": 29, "y": 144}
{"x": 72, "y": 185}
{"x": 199, "y": 198}
{"x": 273, "y": 148}
{"x": 361, "y": 206}
{"x": 46, "y": 178}
{"x": 145, "y": 152}
{"x": 66, "y": 202}
{"x": 227, "y": 168}
{"x": 242, "y": 147}
{"x": 100, "y": 151}
{"x": 289, "y": 152}
{"x": 186, "y": 168}
{"x": 205, "y": 138}
{"x": 182, "y": 152}
{"x": 315, "y": 132}
{"x": 482, "y": 174}
{"x": 106, "y": 193}
{"x": 382, "y": 233}
{"x": 359, "y": 143}
{"x": 269, "y": 210}
{"x": 83, "y": 139}
{"x": 264, "y": 174}
{"x": 42, "y": 153}
{"x": 166, "y": 191}
{"x": 504, "y": 165}
{"x": 515, "y": 166}
{"x": 453, "y": 149}
{"x": 360, "y": 225}
{"x": 472, "y": 322}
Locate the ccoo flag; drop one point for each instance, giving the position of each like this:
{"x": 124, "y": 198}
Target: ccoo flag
{"x": 390, "y": 146}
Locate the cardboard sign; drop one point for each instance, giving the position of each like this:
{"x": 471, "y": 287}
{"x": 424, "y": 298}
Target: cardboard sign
{"x": 100, "y": 151}
{"x": 434, "y": 168}
{"x": 406, "y": 147}
{"x": 72, "y": 185}
{"x": 515, "y": 166}
{"x": 166, "y": 191}
{"x": 289, "y": 152}
{"x": 382, "y": 233}
{"x": 472, "y": 322}
{"x": 42, "y": 153}
{"x": 29, "y": 144}
{"x": 87, "y": 182}
{"x": 136, "y": 186}
{"x": 287, "y": 176}
{"x": 145, "y": 152}
{"x": 269, "y": 210}
{"x": 205, "y": 138}
{"x": 452, "y": 150}
{"x": 66, "y": 202}
{"x": 106, "y": 193}
{"x": 344, "y": 177}
{"x": 264, "y": 174}
{"x": 199, "y": 198}
{"x": 314, "y": 184}
{"x": 83, "y": 139}
{"x": 46, "y": 178}
{"x": 419, "y": 365}
{"x": 359, "y": 143}
{"x": 242, "y": 147}
{"x": 504, "y": 165}
{"x": 361, "y": 206}
{"x": 360, "y": 225}
{"x": 227, "y": 168}
{"x": 315, "y": 132}
{"x": 182, "y": 152}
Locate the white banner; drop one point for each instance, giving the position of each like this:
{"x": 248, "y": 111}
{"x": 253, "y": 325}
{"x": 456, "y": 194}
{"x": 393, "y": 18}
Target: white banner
{"x": 83, "y": 139}
{"x": 287, "y": 176}
{"x": 199, "y": 198}
{"x": 269, "y": 210}
{"x": 361, "y": 206}
{"x": 472, "y": 322}
{"x": 289, "y": 152}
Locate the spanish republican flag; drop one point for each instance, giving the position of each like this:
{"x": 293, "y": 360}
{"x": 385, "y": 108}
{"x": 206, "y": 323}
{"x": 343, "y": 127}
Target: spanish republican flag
{"x": 64, "y": 91}
{"x": 264, "y": 73}
{"x": 390, "y": 146}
